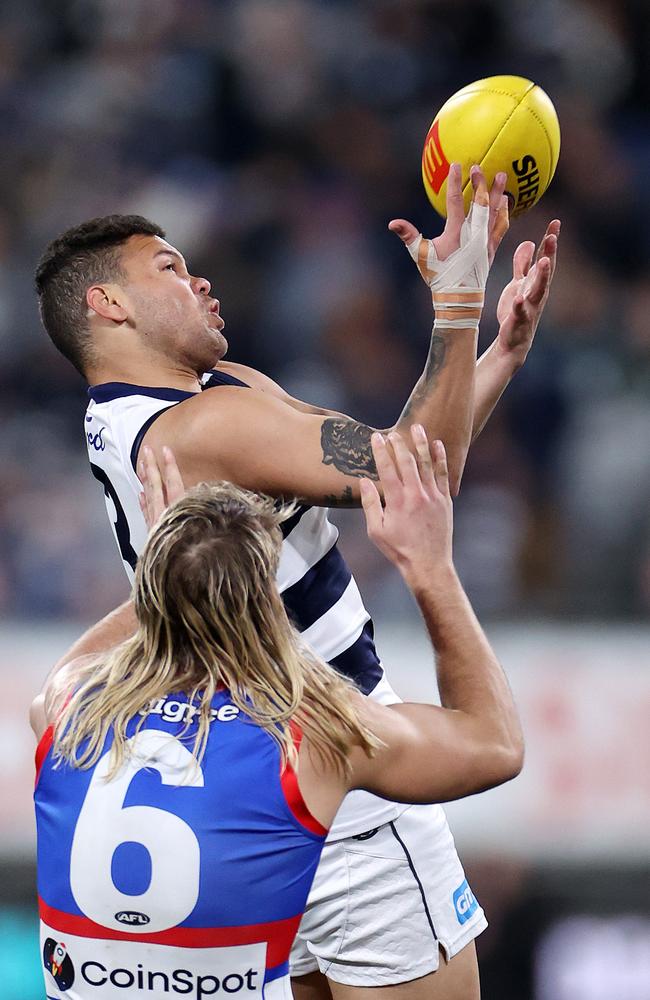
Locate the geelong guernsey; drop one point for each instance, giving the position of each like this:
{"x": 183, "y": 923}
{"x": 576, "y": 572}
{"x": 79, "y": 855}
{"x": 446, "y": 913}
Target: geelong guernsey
{"x": 173, "y": 878}
{"x": 318, "y": 589}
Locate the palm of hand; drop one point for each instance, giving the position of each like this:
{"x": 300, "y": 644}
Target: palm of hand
{"x": 523, "y": 299}
{"x": 517, "y": 328}
{"x": 515, "y": 287}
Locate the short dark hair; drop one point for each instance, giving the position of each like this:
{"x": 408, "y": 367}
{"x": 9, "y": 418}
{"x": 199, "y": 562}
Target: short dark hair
{"x": 71, "y": 263}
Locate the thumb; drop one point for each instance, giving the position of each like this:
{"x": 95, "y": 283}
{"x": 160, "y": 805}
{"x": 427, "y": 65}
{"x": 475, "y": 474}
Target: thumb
{"x": 405, "y": 230}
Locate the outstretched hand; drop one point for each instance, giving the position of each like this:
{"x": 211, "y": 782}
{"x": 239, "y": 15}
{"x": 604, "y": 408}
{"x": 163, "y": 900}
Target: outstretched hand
{"x": 449, "y": 239}
{"x": 160, "y": 490}
{"x": 414, "y": 528}
{"x": 523, "y": 299}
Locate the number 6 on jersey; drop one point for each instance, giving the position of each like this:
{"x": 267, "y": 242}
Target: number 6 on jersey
{"x": 104, "y": 824}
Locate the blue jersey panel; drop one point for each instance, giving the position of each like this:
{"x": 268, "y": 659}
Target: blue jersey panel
{"x": 257, "y": 861}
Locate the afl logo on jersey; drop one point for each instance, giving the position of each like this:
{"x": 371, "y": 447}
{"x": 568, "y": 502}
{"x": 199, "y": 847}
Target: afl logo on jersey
{"x": 58, "y": 963}
{"x": 133, "y": 917}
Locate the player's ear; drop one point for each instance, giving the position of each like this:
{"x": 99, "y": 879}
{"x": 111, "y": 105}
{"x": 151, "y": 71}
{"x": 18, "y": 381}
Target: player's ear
{"x": 107, "y": 301}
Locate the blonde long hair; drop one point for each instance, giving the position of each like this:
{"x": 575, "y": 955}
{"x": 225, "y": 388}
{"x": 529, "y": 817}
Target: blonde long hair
{"x": 209, "y": 614}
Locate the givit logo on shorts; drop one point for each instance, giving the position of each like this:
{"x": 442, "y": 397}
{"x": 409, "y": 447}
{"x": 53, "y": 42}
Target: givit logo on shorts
{"x": 465, "y": 902}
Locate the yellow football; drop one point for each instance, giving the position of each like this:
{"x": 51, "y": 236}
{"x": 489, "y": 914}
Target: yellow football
{"x": 502, "y": 123}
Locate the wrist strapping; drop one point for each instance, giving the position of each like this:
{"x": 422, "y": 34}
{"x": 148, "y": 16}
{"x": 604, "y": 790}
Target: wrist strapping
{"x": 458, "y": 283}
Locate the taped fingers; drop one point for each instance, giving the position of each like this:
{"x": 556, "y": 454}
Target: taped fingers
{"x": 500, "y": 225}
{"x": 413, "y": 247}
{"x": 496, "y": 194}
{"x": 461, "y": 271}
{"x": 423, "y": 253}
{"x": 426, "y": 258}
{"x": 481, "y": 196}
{"x": 477, "y": 222}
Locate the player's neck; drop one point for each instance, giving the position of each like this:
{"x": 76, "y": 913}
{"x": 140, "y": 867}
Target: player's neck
{"x": 168, "y": 376}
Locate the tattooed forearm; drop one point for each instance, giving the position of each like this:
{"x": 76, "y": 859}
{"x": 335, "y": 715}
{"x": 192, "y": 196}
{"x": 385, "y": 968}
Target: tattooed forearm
{"x": 346, "y": 446}
{"x": 346, "y": 443}
{"x": 435, "y": 364}
{"x": 344, "y": 499}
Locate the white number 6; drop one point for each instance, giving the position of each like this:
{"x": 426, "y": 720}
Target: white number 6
{"x": 104, "y": 824}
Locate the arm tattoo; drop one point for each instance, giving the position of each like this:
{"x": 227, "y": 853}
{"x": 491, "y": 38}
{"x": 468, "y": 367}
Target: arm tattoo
{"x": 435, "y": 364}
{"x": 345, "y": 499}
{"x": 346, "y": 446}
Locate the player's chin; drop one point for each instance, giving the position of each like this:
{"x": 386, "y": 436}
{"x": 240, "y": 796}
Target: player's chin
{"x": 206, "y": 350}
{"x": 219, "y": 344}
{"x": 223, "y": 347}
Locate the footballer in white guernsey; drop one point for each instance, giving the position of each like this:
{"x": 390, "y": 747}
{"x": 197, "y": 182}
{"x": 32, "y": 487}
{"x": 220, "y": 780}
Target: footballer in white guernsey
{"x": 119, "y": 301}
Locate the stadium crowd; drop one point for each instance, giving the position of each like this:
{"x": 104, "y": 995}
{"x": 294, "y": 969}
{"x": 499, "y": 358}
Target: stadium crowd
{"x": 274, "y": 140}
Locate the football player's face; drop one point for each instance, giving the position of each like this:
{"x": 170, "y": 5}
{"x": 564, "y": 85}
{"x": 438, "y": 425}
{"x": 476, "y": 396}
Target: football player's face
{"x": 170, "y": 307}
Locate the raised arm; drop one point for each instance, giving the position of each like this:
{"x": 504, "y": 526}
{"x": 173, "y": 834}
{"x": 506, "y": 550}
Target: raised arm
{"x": 474, "y": 740}
{"x": 519, "y": 311}
{"x": 264, "y": 442}
{"x": 457, "y": 284}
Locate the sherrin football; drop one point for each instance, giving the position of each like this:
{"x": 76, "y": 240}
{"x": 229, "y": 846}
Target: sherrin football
{"x": 502, "y": 123}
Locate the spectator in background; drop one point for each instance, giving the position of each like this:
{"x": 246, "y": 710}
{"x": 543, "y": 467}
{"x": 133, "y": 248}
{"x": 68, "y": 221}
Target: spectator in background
{"x": 297, "y": 125}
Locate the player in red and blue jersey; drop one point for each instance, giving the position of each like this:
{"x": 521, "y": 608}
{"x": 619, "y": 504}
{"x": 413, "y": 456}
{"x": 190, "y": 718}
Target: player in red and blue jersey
{"x": 178, "y": 835}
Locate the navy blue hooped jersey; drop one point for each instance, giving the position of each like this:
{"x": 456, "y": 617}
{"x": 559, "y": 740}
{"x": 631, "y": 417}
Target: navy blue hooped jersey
{"x": 319, "y": 592}
{"x": 173, "y": 878}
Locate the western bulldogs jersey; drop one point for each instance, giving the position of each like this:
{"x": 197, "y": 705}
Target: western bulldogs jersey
{"x": 174, "y": 878}
{"x": 319, "y": 592}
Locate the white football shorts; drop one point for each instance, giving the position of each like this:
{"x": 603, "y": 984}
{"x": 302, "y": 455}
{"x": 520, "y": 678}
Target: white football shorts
{"x": 383, "y": 902}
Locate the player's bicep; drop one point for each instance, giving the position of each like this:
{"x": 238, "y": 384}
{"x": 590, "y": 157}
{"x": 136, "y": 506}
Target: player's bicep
{"x": 266, "y": 445}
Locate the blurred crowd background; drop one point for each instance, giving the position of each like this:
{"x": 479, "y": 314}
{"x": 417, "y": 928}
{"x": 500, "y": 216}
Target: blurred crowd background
{"x": 274, "y": 140}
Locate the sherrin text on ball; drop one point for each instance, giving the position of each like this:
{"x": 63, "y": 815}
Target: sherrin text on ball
{"x": 502, "y": 123}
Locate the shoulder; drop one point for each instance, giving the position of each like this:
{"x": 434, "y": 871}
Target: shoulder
{"x": 37, "y": 717}
{"x": 221, "y": 433}
{"x": 60, "y": 688}
{"x": 216, "y": 409}
{"x": 48, "y": 704}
